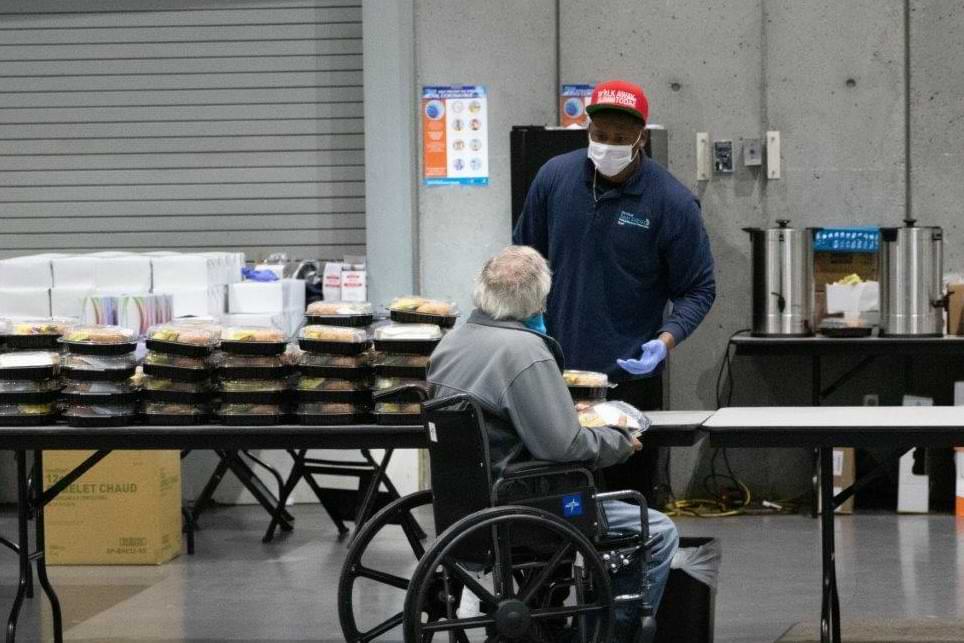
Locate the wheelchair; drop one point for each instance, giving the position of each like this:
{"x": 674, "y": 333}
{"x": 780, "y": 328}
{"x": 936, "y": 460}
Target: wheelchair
{"x": 525, "y": 557}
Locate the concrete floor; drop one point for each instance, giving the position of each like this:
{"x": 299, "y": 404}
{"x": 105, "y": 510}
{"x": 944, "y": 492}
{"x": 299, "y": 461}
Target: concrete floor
{"x": 237, "y": 589}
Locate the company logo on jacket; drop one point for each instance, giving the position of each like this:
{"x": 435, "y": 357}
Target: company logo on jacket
{"x": 628, "y": 218}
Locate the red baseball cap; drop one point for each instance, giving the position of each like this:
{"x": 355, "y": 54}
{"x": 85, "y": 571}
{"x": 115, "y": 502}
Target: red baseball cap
{"x": 621, "y": 95}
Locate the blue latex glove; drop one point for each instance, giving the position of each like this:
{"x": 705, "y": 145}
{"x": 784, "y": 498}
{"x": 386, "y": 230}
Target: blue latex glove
{"x": 654, "y": 352}
{"x": 258, "y": 275}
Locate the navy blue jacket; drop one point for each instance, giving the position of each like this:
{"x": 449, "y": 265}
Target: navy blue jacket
{"x": 617, "y": 261}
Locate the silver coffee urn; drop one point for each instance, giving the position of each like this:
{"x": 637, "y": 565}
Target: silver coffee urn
{"x": 912, "y": 298}
{"x": 782, "y": 260}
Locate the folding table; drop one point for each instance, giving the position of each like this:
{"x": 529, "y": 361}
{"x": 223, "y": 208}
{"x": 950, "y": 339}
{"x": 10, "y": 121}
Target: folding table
{"x": 670, "y": 428}
{"x": 896, "y": 427}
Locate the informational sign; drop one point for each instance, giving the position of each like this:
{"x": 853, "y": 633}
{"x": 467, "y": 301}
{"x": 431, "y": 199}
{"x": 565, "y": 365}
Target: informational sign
{"x": 572, "y": 105}
{"x": 455, "y": 135}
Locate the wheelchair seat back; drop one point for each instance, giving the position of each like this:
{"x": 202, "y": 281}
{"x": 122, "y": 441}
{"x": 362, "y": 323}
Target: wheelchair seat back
{"x": 459, "y": 459}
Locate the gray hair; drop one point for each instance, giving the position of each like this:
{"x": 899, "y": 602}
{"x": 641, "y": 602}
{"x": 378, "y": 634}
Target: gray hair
{"x": 514, "y": 284}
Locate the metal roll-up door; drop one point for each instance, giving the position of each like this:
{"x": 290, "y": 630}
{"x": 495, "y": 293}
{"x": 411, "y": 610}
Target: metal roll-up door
{"x": 182, "y": 125}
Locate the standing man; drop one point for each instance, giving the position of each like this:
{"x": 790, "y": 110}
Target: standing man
{"x": 623, "y": 238}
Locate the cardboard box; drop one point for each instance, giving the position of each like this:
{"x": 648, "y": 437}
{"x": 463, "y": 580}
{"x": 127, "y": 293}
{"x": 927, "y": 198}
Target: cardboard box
{"x": 331, "y": 280}
{"x": 27, "y": 272}
{"x": 178, "y": 272}
{"x": 124, "y": 511}
{"x": 831, "y": 267}
{"x": 74, "y": 272}
{"x": 69, "y": 301}
{"x": 955, "y": 309}
{"x": 196, "y": 302}
{"x": 913, "y": 483}
{"x": 959, "y": 492}
{"x": 25, "y": 302}
{"x": 843, "y": 477}
{"x": 127, "y": 273}
{"x": 256, "y": 297}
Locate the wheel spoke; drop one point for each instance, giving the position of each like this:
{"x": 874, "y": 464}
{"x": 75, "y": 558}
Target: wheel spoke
{"x": 459, "y": 624}
{"x": 540, "y": 579}
{"x": 391, "y": 623}
{"x": 559, "y": 612}
{"x": 382, "y": 577}
{"x": 502, "y": 539}
{"x": 485, "y": 596}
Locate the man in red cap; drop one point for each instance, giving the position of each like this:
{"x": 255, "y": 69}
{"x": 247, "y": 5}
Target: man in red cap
{"x": 624, "y": 238}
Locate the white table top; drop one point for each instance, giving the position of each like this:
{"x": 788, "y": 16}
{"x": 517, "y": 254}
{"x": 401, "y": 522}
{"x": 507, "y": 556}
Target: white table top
{"x": 909, "y": 417}
{"x": 669, "y": 419}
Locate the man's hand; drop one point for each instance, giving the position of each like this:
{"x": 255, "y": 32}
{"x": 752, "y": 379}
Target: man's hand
{"x": 637, "y": 445}
{"x": 654, "y": 352}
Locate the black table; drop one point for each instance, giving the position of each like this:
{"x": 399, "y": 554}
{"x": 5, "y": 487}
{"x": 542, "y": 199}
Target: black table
{"x": 823, "y": 428}
{"x": 670, "y": 428}
{"x": 867, "y": 349}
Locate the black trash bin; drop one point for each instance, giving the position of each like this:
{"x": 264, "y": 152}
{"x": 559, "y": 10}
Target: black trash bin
{"x": 689, "y": 602}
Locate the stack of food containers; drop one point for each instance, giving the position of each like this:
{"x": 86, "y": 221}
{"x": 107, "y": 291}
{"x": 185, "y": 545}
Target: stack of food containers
{"x": 334, "y": 375}
{"x": 98, "y": 368}
{"x": 402, "y": 350}
{"x": 178, "y": 369}
{"x": 29, "y": 388}
{"x": 252, "y": 376}
{"x": 586, "y": 386}
{"x": 34, "y": 334}
{"x": 335, "y": 371}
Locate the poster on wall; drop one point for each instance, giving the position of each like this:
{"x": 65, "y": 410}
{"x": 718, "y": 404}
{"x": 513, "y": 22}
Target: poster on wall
{"x": 572, "y": 105}
{"x": 455, "y": 135}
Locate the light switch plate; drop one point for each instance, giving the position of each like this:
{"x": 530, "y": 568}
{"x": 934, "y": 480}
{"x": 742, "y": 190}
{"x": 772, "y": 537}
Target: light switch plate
{"x": 752, "y": 152}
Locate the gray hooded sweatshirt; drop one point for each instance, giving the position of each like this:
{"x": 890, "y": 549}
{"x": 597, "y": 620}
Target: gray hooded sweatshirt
{"x": 516, "y": 376}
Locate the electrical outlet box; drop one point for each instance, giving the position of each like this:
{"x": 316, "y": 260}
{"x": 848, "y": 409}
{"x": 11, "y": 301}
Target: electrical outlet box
{"x": 703, "y": 170}
{"x": 752, "y": 152}
{"x": 723, "y": 157}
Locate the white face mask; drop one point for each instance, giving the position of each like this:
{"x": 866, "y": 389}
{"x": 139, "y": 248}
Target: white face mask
{"x": 610, "y": 160}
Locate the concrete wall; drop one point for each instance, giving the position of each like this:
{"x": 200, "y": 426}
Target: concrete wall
{"x": 510, "y": 48}
{"x": 734, "y": 68}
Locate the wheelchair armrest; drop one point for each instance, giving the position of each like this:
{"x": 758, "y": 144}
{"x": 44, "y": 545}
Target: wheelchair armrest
{"x": 543, "y": 468}
{"x": 415, "y": 392}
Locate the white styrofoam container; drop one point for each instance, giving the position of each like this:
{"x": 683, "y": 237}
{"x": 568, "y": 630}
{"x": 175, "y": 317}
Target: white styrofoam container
{"x": 34, "y": 271}
{"x": 25, "y": 302}
{"x": 857, "y": 298}
{"x": 185, "y": 271}
{"x": 130, "y": 273}
{"x": 255, "y": 297}
{"x": 196, "y": 302}
{"x": 68, "y": 301}
{"x": 294, "y": 294}
{"x": 77, "y": 271}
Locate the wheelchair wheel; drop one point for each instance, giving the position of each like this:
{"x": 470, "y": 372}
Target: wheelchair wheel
{"x": 524, "y": 555}
{"x": 363, "y": 587}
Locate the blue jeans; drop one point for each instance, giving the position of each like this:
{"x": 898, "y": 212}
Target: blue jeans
{"x": 622, "y": 516}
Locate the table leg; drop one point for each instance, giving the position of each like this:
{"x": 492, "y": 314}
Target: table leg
{"x": 830, "y": 607}
{"x": 23, "y": 544}
{"x": 48, "y": 589}
{"x": 371, "y": 493}
{"x": 256, "y": 486}
{"x": 277, "y": 516}
{"x": 816, "y": 385}
{"x": 200, "y": 504}
{"x": 330, "y": 509}
{"x": 393, "y": 492}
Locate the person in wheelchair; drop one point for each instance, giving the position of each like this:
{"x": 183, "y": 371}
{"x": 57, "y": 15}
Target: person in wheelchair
{"x": 502, "y": 357}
